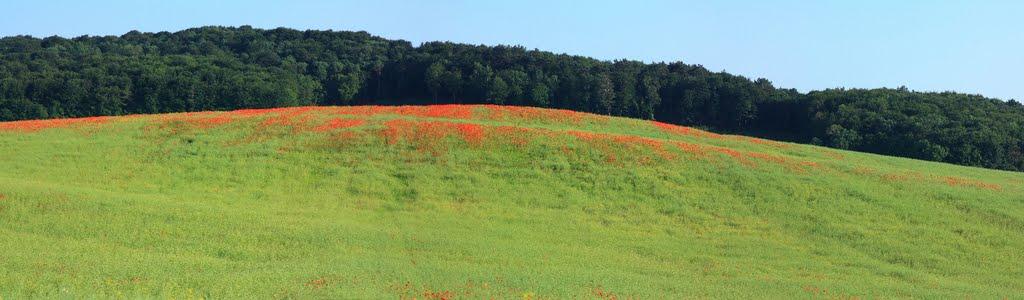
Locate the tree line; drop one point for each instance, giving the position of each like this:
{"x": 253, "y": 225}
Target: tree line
{"x": 222, "y": 68}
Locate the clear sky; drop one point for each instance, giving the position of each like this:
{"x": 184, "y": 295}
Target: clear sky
{"x": 965, "y": 46}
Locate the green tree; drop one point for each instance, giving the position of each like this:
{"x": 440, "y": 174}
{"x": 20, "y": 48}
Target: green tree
{"x": 434, "y": 79}
{"x": 452, "y": 81}
{"x": 498, "y": 92}
{"x": 604, "y": 92}
{"x": 480, "y": 81}
{"x": 349, "y": 82}
{"x": 842, "y": 138}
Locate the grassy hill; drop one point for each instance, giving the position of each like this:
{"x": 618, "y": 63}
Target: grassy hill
{"x": 484, "y": 201}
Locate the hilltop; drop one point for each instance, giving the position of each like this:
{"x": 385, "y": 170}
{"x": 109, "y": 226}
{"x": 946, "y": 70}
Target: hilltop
{"x": 478, "y": 201}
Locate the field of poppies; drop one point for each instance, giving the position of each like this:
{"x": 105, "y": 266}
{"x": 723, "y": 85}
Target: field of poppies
{"x": 484, "y": 201}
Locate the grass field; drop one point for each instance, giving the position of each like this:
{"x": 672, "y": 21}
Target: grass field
{"x": 437, "y": 202}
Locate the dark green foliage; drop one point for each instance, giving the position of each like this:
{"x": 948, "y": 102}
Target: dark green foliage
{"x": 219, "y": 68}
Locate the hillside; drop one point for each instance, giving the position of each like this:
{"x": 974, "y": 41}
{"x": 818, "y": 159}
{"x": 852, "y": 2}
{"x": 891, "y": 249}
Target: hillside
{"x": 484, "y": 201}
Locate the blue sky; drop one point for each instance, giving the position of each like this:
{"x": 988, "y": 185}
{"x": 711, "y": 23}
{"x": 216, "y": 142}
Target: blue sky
{"x": 965, "y": 46}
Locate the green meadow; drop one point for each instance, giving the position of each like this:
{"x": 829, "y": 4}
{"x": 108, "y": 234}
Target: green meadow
{"x": 484, "y": 202}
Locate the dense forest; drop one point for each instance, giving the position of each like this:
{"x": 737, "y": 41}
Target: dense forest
{"x": 221, "y": 68}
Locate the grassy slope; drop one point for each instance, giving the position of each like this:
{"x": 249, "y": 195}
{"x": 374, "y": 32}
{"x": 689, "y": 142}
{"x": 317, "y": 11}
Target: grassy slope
{"x": 530, "y": 203}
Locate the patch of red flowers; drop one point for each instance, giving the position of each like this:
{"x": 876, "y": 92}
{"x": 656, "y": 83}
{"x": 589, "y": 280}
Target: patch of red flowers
{"x": 687, "y": 131}
{"x": 211, "y": 121}
{"x": 36, "y": 125}
{"x": 285, "y": 117}
{"x": 339, "y": 123}
{"x": 833, "y": 154}
{"x": 746, "y": 157}
{"x": 920, "y": 177}
{"x": 518, "y": 136}
{"x": 472, "y": 133}
{"x": 206, "y": 119}
{"x": 758, "y": 141}
{"x": 729, "y": 152}
{"x": 450, "y": 111}
{"x": 690, "y": 148}
{"x": 604, "y": 141}
{"x": 790, "y": 164}
{"x": 428, "y": 135}
{"x": 958, "y": 181}
{"x": 908, "y": 176}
